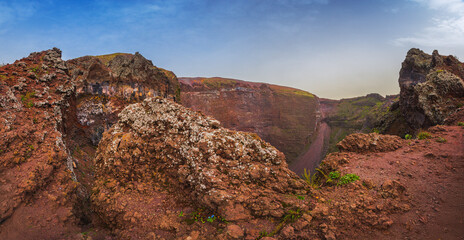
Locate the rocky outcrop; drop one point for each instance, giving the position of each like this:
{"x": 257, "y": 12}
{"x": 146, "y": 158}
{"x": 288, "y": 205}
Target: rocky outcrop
{"x": 106, "y": 84}
{"x": 161, "y": 162}
{"x": 432, "y": 88}
{"x": 39, "y": 198}
{"x": 285, "y": 117}
{"x": 372, "y": 142}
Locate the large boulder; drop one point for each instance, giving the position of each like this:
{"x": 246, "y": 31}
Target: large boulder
{"x": 432, "y": 88}
{"x": 162, "y": 161}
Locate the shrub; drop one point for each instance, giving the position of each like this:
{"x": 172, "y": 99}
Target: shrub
{"x": 311, "y": 180}
{"x": 424, "y": 135}
{"x": 334, "y": 175}
{"x": 348, "y": 178}
{"x": 461, "y": 124}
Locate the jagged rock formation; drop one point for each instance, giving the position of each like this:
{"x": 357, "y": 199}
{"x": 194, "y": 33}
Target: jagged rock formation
{"x": 432, "y": 88}
{"x": 106, "y": 84}
{"x": 161, "y": 159}
{"x": 38, "y": 197}
{"x": 163, "y": 171}
{"x": 285, "y": 117}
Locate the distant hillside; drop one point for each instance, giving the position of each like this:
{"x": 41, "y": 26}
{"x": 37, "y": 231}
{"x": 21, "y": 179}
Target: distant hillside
{"x": 359, "y": 114}
{"x": 285, "y": 117}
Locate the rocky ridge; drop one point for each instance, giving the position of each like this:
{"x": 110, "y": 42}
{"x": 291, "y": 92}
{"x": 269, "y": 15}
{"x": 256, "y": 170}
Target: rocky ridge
{"x": 431, "y": 88}
{"x": 37, "y": 179}
{"x": 165, "y": 172}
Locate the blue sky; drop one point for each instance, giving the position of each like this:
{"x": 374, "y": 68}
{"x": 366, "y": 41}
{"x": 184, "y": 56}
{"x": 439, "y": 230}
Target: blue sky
{"x": 333, "y": 48}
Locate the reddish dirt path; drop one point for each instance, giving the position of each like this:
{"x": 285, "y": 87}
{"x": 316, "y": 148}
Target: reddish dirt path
{"x": 432, "y": 174}
{"x": 311, "y": 158}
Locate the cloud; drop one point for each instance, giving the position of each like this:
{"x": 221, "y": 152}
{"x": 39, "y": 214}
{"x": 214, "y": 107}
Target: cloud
{"x": 16, "y": 10}
{"x": 444, "y": 30}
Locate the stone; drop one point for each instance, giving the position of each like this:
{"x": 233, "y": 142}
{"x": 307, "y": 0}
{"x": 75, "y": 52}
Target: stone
{"x": 234, "y": 231}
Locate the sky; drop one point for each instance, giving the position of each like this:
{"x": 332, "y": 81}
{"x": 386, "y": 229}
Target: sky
{"x": 332, "y": 48}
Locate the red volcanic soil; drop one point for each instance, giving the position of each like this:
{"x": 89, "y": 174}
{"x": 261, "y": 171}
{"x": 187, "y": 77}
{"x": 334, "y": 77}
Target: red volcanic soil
{"x": 414, "y": 192}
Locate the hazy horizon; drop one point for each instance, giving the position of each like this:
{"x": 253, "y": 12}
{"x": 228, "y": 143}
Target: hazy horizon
{"x": 332, "y": 48}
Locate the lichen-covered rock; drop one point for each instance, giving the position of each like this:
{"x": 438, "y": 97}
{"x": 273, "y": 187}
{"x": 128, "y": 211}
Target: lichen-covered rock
{"x": 372, "y": 142}
{"x": 432, "y": 88}
{"x": 38, "y": 197}
{"x": 173, "y": 151}
{"x": 259, "y": 108}
{"x": 106, "y": 84}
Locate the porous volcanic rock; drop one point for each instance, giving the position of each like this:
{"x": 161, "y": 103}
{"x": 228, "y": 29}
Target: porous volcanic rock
{"x": 432, "y": 88}
{"x": 162, "y": 160}
{"x": 285, "y": 117}
{"x": 106, "y": 84}
{"x": 372, "y": 142}
{"x": 38, "y": 194}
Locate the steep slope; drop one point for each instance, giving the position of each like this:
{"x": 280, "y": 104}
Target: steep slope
{"x": 38, "y": 197}
{"x": 54, "y": 113}
{"x": 351, "y": 115}
{"x": 285, "y": 117}
{"x": 431, "y": 88}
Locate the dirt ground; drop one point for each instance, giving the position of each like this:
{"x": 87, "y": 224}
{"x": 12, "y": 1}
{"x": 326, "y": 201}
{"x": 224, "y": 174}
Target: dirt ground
{"x": 414, "y": 192}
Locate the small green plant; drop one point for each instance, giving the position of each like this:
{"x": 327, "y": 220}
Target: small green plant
{"x": 334, "y": 175}
{"x": 441, "y": 140}
{"x": 311, "y": 180}
{"x": 35, "y": 69}
{"x": 26, "y": 99}
{"x": 181, "y": 214}
{"x": 424, "y": 135}
{"x": 408, "y": 136}
{"x": 211, "y": 218}
{"x": 439, "y": 71}
{"x": 375, "y": 130}
{"x": 300, "y": 197}
{"x": 263, "y": 234}
{"x": 461, "y": 124}
{"x": 348, "y": 178}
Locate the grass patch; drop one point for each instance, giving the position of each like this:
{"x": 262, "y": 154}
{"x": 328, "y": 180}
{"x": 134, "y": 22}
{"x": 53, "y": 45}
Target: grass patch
{"x": 108, "y": 57}
{"x": 348, "y": 178}
{"x": 441, "y": 140}
{"x": 26, "y": 99}
{"x": 310, "y": 179}
{"x": 424, "y": 135}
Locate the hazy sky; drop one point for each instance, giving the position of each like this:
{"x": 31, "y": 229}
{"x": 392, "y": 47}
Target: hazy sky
{"x": 333, "y": 48}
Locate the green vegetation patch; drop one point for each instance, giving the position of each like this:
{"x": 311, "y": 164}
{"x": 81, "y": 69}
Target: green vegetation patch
{"x": 348, "y": 178}
{"x": 424, "y": 135}
{"x": 461, "y": 124}
{"x": 108, "y": 57}
{"x": 26, "y": 99}
{"x": 290, "y": 91}
{"x": 219, "y": 83}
